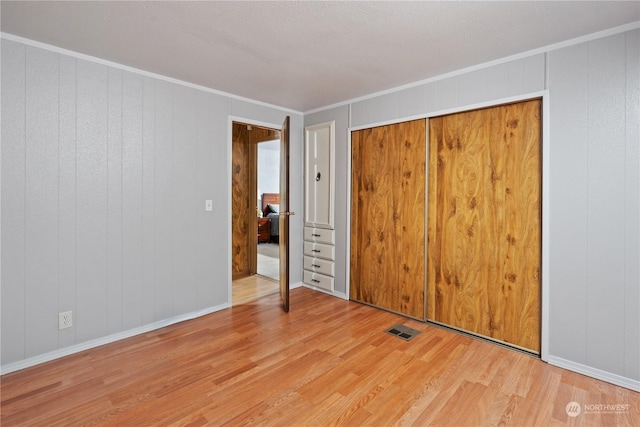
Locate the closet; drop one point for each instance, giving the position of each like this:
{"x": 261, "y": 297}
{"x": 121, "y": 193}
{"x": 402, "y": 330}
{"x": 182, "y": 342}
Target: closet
{"x": 462, "y": 247}
{"x": 319, "y": 232}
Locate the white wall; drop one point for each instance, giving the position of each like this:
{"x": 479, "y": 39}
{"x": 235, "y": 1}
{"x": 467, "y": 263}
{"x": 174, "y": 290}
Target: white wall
{"x": 268, "y": 167}
{"x": 104, "y": 177}
{"x": 595, "y": 199}
{"x": 509, "y": 79}
{"x": 594, "y": 186}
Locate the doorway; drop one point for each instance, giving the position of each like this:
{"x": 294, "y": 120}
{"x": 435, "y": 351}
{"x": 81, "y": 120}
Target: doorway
{"x": 252, "y": 270}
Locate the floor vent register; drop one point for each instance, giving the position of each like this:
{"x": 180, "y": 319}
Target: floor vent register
{"x": 402, "y": 332}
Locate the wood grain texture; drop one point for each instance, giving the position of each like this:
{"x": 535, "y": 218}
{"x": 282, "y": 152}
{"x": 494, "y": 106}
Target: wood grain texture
{"x": 485, "y": 222}
{"x": 328, "y": 362}
{"x": 283, "y": 228}
{"x": 260, "y": 134}
{"x": 248, "y": 289}
{"x": 242, "y": 227}
{"x": 388, "y": 217}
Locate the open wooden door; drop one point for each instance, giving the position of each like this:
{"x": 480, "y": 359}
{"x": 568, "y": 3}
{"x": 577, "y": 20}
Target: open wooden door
{"x": 284, "y": 215}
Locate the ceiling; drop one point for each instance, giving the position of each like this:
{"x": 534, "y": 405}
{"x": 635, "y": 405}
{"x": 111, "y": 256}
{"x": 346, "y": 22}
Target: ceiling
{"x": 306, "y": 55}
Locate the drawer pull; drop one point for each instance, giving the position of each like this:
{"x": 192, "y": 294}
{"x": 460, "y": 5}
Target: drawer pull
{"x": 315, "y": 265}
{"x": 316, "y": 235}
{"x": 316, "y": 250}
{"x": 316, "y": 281}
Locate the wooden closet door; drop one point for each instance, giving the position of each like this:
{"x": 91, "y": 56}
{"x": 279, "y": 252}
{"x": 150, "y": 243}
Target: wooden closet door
{"x": 388, "y": 179}
{"x": 484, "y": 229}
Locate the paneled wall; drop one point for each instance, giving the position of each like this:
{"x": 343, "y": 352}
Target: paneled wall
{"x": 104, "y": 177}
{"x": 512, "y": 78}
{"x": 243, "y": 221}
{"x": 595, "y": 199}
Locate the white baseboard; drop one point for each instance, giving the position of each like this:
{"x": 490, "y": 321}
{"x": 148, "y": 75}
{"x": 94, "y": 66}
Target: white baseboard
{"x": 324, "y": 291}
{"x": 595, "y": 373}
{"x": 56, "y": 354}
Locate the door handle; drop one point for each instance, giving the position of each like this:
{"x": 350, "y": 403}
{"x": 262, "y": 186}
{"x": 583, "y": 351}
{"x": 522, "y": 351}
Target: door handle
{"x": 318, "y": 176}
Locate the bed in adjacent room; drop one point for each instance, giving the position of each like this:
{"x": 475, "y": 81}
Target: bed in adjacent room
{"x": 271, "y": 210}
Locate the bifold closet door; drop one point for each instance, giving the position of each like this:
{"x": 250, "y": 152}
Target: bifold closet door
{"x": 387, "y": 264}
{"x": 484, "y": 229}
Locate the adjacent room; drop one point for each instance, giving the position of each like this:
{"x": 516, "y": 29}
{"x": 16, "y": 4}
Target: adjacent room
{"x": 320, "y": 213}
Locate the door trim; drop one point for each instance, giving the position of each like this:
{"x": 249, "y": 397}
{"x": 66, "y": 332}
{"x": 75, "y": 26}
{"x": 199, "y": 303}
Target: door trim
{"x": 230, "y": 120}
{"x": 545, "y": 257}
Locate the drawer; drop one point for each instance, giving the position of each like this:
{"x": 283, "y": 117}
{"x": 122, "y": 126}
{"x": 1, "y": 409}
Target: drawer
{"x": 321, "y": 235}
{"x": 318, "y": 265}
{"x": 318, "y": 280}
{"x": 319, "y": 250}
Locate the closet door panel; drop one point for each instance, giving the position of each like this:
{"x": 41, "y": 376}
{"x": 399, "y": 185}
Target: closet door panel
{"x": 485, "y": 222}
{"x": 387, "y": 262}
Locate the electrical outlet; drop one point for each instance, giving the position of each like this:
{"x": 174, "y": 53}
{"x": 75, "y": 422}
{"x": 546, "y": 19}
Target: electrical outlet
{"x": 65, "y": 320}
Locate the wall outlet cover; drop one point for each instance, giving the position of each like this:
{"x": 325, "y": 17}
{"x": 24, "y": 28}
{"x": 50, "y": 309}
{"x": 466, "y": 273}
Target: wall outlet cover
{"x": 65, "y": 320}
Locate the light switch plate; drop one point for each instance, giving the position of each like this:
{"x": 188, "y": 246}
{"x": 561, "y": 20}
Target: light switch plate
{"x": 208, "y": 205}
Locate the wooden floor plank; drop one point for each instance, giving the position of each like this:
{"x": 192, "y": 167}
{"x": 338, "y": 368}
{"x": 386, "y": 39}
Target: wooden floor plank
{"x": 250, "y": 288}
{"x": 326, "y": 362}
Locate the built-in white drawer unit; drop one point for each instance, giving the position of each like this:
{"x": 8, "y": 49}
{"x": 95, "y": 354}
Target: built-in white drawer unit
{"x": 318, "y": 280}
{"x": 318, "y": 265}
{"x": 320, "y": 235}
{"x": 319, "y": 250}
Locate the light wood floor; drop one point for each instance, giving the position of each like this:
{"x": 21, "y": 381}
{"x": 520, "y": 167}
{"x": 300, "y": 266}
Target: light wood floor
{"x": 326, "y": 362}
{"x": 251, "y": 288}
